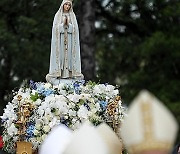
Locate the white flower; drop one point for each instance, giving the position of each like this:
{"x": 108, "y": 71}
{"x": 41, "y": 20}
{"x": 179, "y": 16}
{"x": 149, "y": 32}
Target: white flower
{"x": 38, "y": 125}
{"x": 116, "y": 92}
{"x": 15, "y": 138}
{"x": 97, "y": 90}
{"x": 72, "y": 113}
{"x": 72, "y": 105}
{"x": 60, "y": 98}
{"x": 36, "y": 132}
{"x": 39, "y": 139}
{"x": 37, "y": 102}
{"x": 54, "y": 122}
{"x": 15, "y": 100}
{"x": 57, "y": 112}
{"x": 83, "y": 112}
{"x": 12, "y": 130}
{"x": 46, "y": 128}
{"x": 74, "y": 97}
{"x": 60, "y": 86}
{"x": 43, "y": 137}
{"x": 40, "y": 111}
{"x": 85, "y": 96}
{"x": 33, "y": 92}
{"x": 47, "y": 85}
{"x": 48, "y": 117}
{"x": 76, "y": 125}
{"x": 97, "y": 106}
{"x": 48, "y": 99}
{"x": 47, "y": 111}
{"x": 109, "y": 88}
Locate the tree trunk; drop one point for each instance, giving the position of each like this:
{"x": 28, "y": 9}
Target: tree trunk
{"x": 86, "y": 19}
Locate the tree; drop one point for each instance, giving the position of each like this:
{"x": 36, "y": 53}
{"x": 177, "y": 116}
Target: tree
{"x": 87, "y": 37}
{"x": 25, "y": 36}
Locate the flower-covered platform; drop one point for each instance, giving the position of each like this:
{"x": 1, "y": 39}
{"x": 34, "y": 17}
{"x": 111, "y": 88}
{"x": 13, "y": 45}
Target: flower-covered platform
{"x": 37, "y": 107}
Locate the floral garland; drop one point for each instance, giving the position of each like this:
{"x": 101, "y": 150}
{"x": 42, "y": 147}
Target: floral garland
{"x": 69, "y": 104}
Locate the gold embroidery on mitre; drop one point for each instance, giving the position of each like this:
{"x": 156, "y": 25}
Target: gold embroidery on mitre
{"x": 150, "y": 142}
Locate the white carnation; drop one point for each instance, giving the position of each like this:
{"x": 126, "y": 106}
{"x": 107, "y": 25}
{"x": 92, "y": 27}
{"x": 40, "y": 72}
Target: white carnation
{"x": 83, "y": 112}
{"x": 74, "y": 98}
{"x": 72, "y": 113}
{"x": 12, "y": 130}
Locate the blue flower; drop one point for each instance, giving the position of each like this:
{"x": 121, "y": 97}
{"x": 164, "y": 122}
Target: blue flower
{"x": 4, "y": 120}
{"x": 81, "y": 82}
{"x": 40, "y": 89}
{"x": 62, "y": 119}
{"x": 105, "y": 84}
{"x": 76, "y": 87}
{"x": 33, "y": 85}
{"x": 87, "y": 106}
{"x": 48, "y": 92}
{"x": 103, "y": 104}
{"x": 30, "y": 131}
{"x": 76, "y": 84}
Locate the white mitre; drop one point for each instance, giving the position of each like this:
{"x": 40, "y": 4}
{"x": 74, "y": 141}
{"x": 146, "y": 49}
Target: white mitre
{"x": 110, "y": 138}
{"x": 149, "y": 126}
{"x": 56, "y": 141}
{"x": 86, "y": 140}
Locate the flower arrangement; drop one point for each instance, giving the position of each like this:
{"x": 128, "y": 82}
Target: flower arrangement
{"x": 45, "y": 106}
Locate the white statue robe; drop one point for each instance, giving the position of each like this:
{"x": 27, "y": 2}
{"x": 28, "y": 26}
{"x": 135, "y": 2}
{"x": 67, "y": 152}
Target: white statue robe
{"x": 66, "y": 49}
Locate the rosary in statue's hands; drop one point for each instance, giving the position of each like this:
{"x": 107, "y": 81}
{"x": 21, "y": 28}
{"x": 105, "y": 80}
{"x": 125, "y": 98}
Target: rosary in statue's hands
{"x": 66, "y": 21}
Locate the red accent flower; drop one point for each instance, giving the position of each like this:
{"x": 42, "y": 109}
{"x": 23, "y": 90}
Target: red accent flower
{"x": 1, "y": 142}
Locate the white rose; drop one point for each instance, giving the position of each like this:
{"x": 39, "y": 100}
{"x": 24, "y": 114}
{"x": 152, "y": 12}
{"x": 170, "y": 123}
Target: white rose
{"x": 12, "y": 130}
{"x": 47, "y": 85}
{"x": 72, "y": 113}
{"x": 38, "y": 126}
{"x": 116, "y": 92}
{"x": 37, "y": 102}
{"x": 34, "y": 92}
{"x": 43, "y": 137}
{"x": 74, "y": 98}
{"x": 36, "y": 132}
{"x": 39, "y": 139}
{"x": 110, "y": 88}
{"x": 53, "y": 122}
{"x": 96, "y": 90}
{"x": 57, "y": 112}
{"x": 46, "y": 128}
{"x": 83, "y": 112}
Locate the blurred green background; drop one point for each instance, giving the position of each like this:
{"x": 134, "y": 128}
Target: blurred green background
{"x": 131, "y": 43}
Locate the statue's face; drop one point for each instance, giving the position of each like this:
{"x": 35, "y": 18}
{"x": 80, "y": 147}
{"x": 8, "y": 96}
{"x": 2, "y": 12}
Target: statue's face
{"x": 67, "y": 6}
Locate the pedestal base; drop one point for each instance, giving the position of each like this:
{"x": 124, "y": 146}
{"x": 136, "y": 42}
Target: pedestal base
{"x": 24, "y": 148}
{"x": 57, "y": 81}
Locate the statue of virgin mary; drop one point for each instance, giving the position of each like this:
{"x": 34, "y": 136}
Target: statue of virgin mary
{"x": 65, "y": 61}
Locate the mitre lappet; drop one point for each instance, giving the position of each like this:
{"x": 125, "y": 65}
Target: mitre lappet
{"x": 86, "y": 140}
{"x": 110, "y": 138}
{"x": 150, "y": 128}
